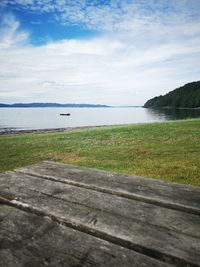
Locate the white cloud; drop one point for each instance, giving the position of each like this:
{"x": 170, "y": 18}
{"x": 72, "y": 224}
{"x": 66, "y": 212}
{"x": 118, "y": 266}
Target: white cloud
{"x": 132, "y": 16}
{"x": 9, "y": 33}
{"x": 140, "y": 54}
{"x": 103, "y": 70}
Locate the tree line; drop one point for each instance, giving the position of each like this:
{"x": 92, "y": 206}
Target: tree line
{"x": 187, "y": 96}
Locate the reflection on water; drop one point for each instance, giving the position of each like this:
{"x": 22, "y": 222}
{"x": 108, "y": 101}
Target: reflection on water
{"x": 175, "y": 114}
{"x": 43, "y": 118}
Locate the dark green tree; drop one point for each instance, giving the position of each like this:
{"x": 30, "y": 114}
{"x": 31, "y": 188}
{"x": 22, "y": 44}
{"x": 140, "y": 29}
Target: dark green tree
{"x": 187, "y": 96}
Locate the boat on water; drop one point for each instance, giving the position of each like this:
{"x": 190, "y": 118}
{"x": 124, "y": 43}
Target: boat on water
{"x": 65, "y": 114}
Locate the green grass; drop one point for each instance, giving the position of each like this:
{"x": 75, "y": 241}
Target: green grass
{"x": 169, "y": 151}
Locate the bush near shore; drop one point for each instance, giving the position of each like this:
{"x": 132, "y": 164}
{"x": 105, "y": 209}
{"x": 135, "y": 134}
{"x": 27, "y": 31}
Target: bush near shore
{"x": 169, "y": 151}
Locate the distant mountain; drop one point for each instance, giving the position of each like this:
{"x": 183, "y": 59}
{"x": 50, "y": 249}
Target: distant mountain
{"x": 187, "y": 96}
{"x": 4, "y": 105}
{"x": 46, "y": 105}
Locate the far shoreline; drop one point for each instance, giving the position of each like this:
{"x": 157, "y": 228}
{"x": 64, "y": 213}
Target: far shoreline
{"x": 171, "y": 108}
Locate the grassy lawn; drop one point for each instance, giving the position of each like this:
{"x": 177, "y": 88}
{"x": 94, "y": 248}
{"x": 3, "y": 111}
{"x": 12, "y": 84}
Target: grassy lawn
{"x": 169, "y": 151}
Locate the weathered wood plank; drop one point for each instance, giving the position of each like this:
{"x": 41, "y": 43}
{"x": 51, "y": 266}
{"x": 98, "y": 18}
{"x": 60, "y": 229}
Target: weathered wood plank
{"x": 153, "y": 240}
{"x": 30, "y": 240}
{"x": 175, "y": 196}
{"x": 149, "y": 213}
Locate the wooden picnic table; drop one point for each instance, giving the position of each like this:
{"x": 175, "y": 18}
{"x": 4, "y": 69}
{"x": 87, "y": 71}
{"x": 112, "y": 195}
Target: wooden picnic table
{"x": 54, "y": 214}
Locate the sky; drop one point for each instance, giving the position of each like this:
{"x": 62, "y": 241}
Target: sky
{"x": 120, "y": 52}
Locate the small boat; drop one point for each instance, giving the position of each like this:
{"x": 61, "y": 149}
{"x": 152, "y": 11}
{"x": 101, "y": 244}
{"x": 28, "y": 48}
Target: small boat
{"x": 65, "y": 114}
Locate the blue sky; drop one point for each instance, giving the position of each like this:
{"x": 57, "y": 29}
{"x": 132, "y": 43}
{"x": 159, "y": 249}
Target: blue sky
{"x": 91, "y": 51}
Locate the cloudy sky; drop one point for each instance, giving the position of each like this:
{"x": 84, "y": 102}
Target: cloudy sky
{"x": 119, "y": 52}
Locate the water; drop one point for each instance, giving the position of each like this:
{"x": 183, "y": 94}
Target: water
{"x": 43, "y": 118}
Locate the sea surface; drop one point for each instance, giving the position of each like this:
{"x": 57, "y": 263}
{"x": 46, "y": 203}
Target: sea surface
{"x": 49, "y": 118}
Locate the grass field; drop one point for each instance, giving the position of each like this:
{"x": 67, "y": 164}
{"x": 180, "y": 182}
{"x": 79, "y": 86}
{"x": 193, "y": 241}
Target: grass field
{"x": 169, "y": 151}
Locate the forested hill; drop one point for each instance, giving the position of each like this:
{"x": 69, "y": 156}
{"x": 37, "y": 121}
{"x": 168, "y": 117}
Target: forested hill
{"x": 187, "y": 96}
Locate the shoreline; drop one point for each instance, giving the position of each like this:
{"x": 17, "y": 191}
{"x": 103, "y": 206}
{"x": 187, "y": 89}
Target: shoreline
{"x": 47, "y": 130}
{"x": 12, "y": 131}
{"x": 172, "y": 108}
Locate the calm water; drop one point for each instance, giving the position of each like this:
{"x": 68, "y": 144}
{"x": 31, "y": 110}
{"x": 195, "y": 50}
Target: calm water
{"x": 42, "y": 118}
